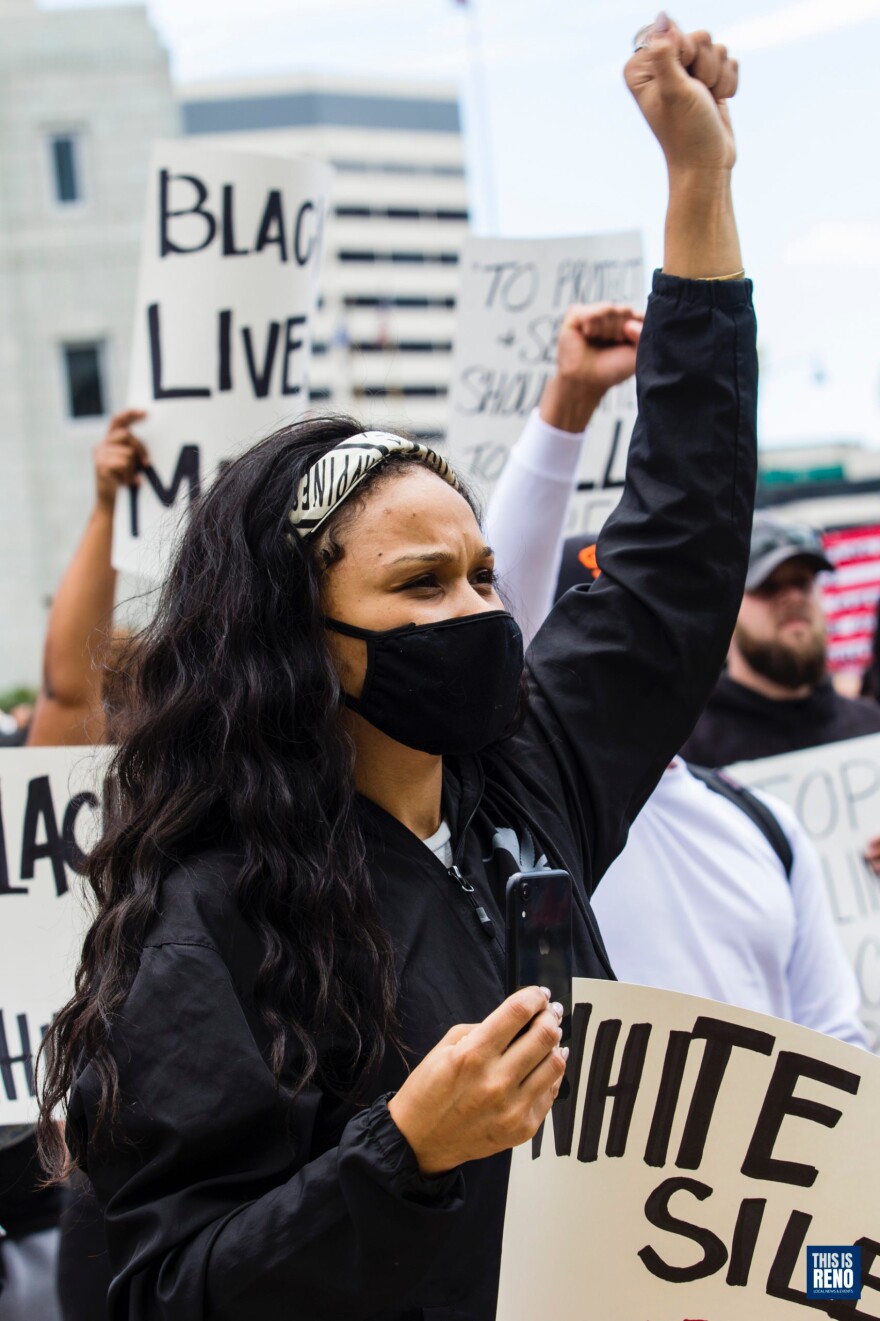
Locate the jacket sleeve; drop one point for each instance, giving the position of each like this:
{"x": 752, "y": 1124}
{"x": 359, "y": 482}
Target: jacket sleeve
{"x": 216, "y": 1204}
{"x": 621, "y": 668}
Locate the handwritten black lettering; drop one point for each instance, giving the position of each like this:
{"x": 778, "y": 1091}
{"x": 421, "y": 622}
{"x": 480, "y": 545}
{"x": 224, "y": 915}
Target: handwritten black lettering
{"x": 860, "y": 781}
{"x": 6, "y": 887}
{"x": 187, "y": 470}
{"x": 623, "y": 1092}
{"x": 780, "y": 1101}
{"x": 657, "y": 1213}
{"x": 721, "y": 1039}
{"x": 745, "y": 1239}
{"x": 202, "y": 225}
{"x": 73, "y": 854}
{"x": 229, "y": 248}
{"x": 305, "y": 248}
{"x": 167, "y": 246}
{"x": 563, "y": 1112}
{"x": 291, "y": 344}
{"x": 272, "y": 226}
{"x": 39, "y": 809}
{"x": 161, "y": 391}
{"x": 816, "y": 805}
{"x": 261, "y": 374}
{"x": 675, "y": 1059}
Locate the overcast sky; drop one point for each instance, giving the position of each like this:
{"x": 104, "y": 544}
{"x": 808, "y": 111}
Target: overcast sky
{"x": 569, "y": 153}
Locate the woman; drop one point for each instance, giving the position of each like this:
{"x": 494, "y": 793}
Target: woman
{"x": 294, "y": 1077}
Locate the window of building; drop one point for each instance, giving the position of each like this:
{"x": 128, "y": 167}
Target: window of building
{"x": 402, "y": 346}
{"x": 396, "y": 213}
{"x": 400, "y": 391}
{"x": 65, "y": 158}
{"x": 401, "y": 300}
{"x": 404, "y": 258}
{"x": 84, "y": 372}
{"x": 399, "y": 167}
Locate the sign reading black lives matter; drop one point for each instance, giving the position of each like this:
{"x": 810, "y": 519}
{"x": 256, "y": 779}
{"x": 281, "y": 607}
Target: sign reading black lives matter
{"x": 223, "y": 324}
{"x": 701, "y": 1150}
{"x": 513, "y": 297}
{"x": 49, "y": 814}
{"x": 835, "y": 793}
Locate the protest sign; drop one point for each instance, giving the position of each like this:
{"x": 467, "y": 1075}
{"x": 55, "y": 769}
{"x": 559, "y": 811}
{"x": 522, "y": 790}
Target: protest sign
{"x": 835, "y": 793}
{"x": 49, "y": 813}
{"x": 223, "y": 324}
{"x": 850, "y": 596}
{"x": 700, "y": 1152}
{"x": 513, "y": 297}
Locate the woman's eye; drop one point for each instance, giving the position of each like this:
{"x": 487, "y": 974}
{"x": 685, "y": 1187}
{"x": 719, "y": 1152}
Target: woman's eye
{"x": 426, "y": 581}
{"x": 487, "y": 578}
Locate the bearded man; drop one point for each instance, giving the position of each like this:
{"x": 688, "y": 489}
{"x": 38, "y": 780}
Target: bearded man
{"x": 775, "y": 695}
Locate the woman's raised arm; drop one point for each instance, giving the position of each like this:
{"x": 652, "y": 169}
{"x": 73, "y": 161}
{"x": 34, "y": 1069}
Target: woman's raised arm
{"x": 622, "y": 669}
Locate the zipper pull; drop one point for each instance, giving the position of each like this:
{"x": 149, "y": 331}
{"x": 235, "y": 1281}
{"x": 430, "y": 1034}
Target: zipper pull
{"x": 466, "y": 888}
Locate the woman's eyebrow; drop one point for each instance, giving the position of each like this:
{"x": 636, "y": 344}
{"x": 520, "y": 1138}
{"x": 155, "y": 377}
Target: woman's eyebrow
{"x": 437, "y": 557}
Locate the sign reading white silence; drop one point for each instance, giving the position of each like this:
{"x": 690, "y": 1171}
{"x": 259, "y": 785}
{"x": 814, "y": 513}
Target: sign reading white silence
{"x": 49, "y": 814}
{"x": 700, "y": 1151}
{"x": 835, "y": 793}
{"x": 223, "y": 323}
{"x": 513, "y": 297}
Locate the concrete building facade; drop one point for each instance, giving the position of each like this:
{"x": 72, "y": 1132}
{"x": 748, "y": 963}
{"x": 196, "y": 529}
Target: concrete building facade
{"x": 83, "y": 92}
{"x": 391, "y": 249}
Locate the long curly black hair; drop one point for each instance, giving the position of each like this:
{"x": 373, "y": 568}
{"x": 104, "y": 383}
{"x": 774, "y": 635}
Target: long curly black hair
{"x": 233, "y": 731}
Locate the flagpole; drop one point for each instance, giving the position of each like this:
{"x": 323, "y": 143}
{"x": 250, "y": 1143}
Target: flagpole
{"x": 482, "y": 135}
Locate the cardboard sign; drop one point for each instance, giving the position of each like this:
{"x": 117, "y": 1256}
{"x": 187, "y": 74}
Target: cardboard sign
{"x": 701, "y": 1151}
{"x": 835, "y": 793}
{"x": 223, "y": 325}
{"x": 49, "y": 814}
{"x": 514, "y": 295}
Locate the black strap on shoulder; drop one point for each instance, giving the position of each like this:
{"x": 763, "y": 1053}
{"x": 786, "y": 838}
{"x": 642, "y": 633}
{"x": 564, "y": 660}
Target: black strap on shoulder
{"x": 755, "y": 809}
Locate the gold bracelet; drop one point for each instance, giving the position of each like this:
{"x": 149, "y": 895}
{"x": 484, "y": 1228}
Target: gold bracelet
{"x": 704, "y": 279}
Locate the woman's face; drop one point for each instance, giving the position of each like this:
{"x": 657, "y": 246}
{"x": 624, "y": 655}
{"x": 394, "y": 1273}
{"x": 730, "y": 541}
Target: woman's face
{"x": 413, "y": 554}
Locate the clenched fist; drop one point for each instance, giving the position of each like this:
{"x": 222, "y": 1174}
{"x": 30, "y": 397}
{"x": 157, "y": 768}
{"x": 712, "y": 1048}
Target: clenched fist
{"x": 595, "y": 351}
{"x": 682, "y": 82}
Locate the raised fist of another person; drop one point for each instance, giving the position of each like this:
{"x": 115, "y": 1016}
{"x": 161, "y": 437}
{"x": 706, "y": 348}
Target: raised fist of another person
{"x": 681, "y": 82}
{"x": 118, "y": 457}
{"x": 595, "y": 350}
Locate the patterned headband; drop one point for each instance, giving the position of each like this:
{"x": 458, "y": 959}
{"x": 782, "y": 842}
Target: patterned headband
{"x": 333, "y": 478}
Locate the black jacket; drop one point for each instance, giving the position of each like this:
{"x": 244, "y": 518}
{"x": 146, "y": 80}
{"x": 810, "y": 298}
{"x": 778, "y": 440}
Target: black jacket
{"x": 739, "y": 724}
{"x": 216, "y": 1209}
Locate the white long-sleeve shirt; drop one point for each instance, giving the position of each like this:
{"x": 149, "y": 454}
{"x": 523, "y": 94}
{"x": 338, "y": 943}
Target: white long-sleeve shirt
{"x": 698, "y": 901}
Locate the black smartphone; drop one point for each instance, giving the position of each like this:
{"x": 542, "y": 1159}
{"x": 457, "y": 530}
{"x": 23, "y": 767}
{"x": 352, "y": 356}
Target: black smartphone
{"x": 538, "y": 936}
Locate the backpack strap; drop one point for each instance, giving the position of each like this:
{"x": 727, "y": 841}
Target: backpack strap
{"x": 754, "y": 808}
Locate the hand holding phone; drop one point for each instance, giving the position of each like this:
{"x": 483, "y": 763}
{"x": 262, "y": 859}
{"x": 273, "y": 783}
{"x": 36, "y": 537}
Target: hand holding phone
{"x": 539, "y": 936}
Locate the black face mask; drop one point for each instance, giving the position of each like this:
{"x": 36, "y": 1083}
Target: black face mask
{"x": 447, "y": 688}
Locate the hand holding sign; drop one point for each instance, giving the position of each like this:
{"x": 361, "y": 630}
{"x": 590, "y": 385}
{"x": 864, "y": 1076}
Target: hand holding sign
{"x": 483, "y": 1088}
{"x": 595, "y": 351}
{"x": 118, "y": 457}
{"x": 681, "y": 83}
